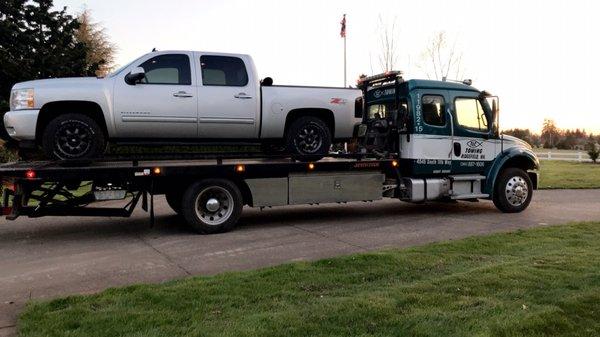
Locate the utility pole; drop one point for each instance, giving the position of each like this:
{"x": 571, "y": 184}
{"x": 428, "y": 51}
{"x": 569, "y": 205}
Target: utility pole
{"x": 343, "y": 35}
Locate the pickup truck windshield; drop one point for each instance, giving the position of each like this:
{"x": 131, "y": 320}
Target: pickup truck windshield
{"x": 116, "y": 72}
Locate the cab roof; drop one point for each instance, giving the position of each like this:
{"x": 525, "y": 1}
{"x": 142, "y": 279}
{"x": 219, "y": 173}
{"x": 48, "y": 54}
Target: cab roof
{"x": 440, "y": 85}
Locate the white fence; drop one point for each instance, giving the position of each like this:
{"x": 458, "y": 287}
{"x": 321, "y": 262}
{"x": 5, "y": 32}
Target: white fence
{"x": 579, "y": 156}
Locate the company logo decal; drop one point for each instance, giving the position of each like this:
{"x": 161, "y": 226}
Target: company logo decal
{"x": 339, "y": 101}
{"x": 473, "y": 150}
{"x": 378, "y": 93}
{"x": 474, "y": 143}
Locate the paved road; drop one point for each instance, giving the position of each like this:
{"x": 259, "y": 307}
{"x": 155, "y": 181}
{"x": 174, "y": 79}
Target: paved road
{"x": 48, "y": 257}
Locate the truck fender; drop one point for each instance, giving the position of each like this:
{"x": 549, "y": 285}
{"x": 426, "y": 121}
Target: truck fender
{"x": 514, "y": 157}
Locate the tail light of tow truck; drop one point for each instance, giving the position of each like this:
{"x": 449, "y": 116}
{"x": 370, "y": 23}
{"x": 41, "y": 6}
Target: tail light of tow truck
{"x": 30, "y": 174}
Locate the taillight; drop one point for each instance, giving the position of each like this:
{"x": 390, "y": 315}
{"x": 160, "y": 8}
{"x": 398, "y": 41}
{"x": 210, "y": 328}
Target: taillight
{"x": 30, "y": 174}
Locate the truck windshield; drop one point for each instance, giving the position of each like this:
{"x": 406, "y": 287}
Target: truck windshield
{"x": 383, "y": 110}
{"x": 116, "y": 72}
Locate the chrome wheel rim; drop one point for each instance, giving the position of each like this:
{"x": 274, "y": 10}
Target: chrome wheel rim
{"x": 214, "y": 205}
{"x": 516, "y": 191}
{"x": 73, "y": 139}
{"x": 309, "y": 139}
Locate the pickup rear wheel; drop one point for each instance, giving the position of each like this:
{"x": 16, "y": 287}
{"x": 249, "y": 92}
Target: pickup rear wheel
{"x": 513, "y": 190}
{"x": 212, "y": 206}
{"x": 73, "y": 136}
{"x": 308, "y": 138}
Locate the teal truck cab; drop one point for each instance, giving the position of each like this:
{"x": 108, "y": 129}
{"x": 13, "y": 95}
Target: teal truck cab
{"x": 447, "y": 140}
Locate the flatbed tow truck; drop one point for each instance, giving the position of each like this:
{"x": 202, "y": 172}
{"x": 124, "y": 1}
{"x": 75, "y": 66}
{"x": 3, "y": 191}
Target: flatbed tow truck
{"x": 419, "y": 141}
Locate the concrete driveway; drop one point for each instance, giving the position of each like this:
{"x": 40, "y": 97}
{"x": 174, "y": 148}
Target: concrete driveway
{"x": 48, "y": 257}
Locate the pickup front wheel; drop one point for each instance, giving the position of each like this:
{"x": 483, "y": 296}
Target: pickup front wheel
{"x": 73, "y": 136}
{"x": 308, "y": 138}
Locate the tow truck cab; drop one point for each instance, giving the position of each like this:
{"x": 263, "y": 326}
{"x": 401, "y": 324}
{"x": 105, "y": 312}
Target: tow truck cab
{"x": 446, "y": 136}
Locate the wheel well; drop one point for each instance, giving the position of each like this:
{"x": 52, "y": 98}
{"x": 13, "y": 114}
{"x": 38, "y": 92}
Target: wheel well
{"x": 181, "y": 184}
{"x": 323, "y": 114}
{"x": 523, "y": 163}
{"x": 51, "y": 110}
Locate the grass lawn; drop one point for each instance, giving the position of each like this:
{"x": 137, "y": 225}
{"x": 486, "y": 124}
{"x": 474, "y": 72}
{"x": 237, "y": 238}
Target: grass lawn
{"x": 566, "y": 174}
{"x": 541, "y": 282}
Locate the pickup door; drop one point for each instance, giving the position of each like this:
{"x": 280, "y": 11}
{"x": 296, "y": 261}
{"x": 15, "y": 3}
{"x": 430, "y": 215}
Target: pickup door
{"x": 164, "y": 104}
{"x": 228, "y": 102}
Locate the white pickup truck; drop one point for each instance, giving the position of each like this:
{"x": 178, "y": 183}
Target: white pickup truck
{"x": 175, "y": 96}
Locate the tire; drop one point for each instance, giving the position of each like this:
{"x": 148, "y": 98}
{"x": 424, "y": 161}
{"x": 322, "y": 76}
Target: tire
{"x": 88, "y": 140}
{"x": 222, "y": 195}
{"x": 174, "y": 199}
{"x": 308, "y": 139}
{"x": 513, "y": 190}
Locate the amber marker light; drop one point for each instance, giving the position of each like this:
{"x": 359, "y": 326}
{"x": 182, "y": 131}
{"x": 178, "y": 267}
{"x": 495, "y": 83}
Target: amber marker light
{"x": 156, "y": 171}
{"x": 311, "y": 166}
{"x": 240, "y": 168}
{"x": 394, "y": 163}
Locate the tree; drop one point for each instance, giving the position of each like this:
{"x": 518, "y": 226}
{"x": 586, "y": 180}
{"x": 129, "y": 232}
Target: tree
{"x": 100, "y": 51}
{"x": 440, "y": 60}
{"x": 524, "y": 134}
{"x": 550, "y": 133}
{"x": 37, "y": 41}
{"x": 593, "y": 150}
{"x": 388, "y": 55}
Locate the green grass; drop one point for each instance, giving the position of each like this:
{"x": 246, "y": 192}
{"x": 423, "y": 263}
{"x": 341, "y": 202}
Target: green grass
{"x": 565, "y": 174}
{"x": 541, "y": 282}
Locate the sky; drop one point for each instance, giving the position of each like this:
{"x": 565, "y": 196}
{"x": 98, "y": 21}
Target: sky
{"x": 540, "y": 57}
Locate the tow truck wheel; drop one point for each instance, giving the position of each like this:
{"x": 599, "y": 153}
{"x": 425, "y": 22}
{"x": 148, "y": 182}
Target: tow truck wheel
{"x": 513, "y": 190}
{"x": 212, "y": 206}
{"x": 308, "y": 139}
{"x": 73, "y": 136}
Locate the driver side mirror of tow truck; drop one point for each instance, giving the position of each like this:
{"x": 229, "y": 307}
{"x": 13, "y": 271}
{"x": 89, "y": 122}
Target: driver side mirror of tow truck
{"x": 135, "y": 76}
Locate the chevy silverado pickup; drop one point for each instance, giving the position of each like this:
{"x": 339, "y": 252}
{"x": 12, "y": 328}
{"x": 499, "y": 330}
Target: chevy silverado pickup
{"x": 179, "y": 96}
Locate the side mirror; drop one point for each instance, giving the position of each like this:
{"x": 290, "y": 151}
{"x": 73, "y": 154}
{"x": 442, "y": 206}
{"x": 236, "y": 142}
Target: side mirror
{"x": 136, "y": 75}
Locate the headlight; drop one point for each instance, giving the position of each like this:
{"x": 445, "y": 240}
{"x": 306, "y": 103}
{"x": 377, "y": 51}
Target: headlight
{"x": 21, "y": 99}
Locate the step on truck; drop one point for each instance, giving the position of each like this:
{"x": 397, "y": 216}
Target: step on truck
{"x": 419, "y": 141}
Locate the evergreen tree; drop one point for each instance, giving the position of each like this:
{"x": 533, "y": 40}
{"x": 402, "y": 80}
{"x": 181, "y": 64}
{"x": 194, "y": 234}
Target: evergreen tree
{"x": 37, "y": 41}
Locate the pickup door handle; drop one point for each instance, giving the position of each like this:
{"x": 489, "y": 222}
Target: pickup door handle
{"x": 182, "y": 94}
{"x": 242, "y": 95}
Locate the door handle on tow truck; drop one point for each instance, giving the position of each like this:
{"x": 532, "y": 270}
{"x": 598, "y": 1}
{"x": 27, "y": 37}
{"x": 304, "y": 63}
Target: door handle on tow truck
{"x": 182, "y": 94}
{"x": 242, "y": 95}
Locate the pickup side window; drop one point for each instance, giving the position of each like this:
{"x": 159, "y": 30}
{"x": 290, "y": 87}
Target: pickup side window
{"x": 433, "y": 110}
{"x": 167, "y": 69}
{"x": 223, "y": 71}
{"x": 470, "y": 114}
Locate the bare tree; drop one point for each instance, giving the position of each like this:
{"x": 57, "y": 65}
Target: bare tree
{"x": 388, "y": 55}
{"x": 440, "y": 60}
{"x": 100, "y": 51}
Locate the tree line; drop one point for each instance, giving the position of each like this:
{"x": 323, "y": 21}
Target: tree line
{"x": 552, "y": 137}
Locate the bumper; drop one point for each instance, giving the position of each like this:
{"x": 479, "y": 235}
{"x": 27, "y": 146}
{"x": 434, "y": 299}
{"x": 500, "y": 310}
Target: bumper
{"x": 21, "y": 124}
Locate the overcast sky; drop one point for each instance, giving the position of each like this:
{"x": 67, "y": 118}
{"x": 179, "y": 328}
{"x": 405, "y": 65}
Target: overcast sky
{"x": 540, "y": 57}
